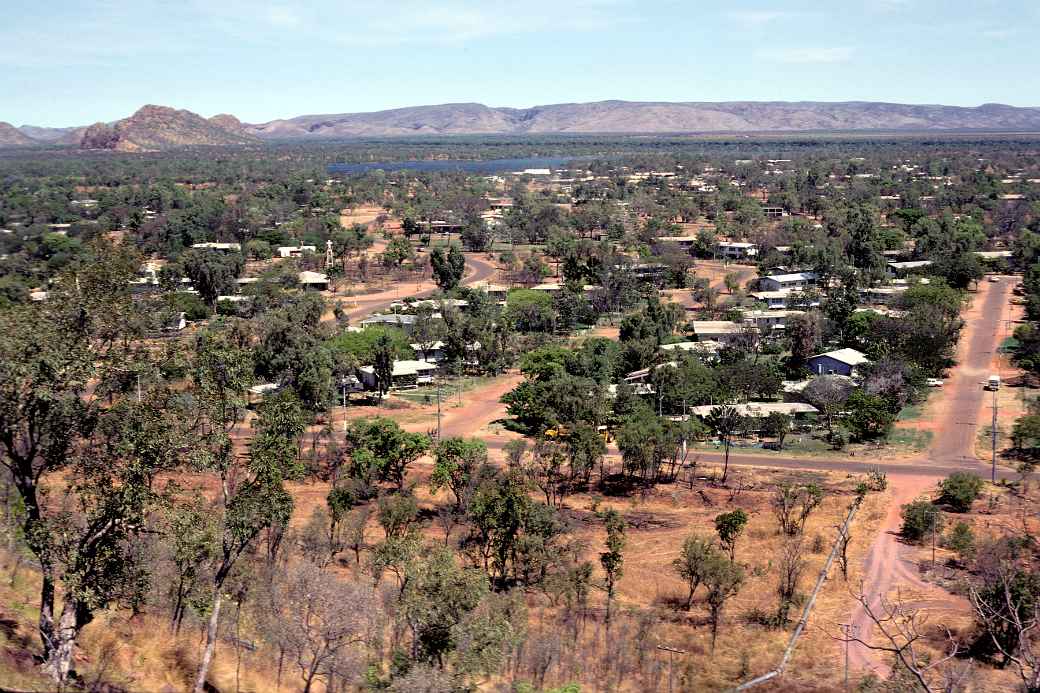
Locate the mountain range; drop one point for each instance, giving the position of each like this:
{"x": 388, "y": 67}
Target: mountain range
{"x": 159, "y": 127}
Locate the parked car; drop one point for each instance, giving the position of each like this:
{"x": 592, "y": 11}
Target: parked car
{"x": 993, "y": 278}
{"x": 934, "y": 382}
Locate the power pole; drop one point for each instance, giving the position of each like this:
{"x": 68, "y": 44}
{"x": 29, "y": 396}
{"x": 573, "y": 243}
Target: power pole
{"x": 847, "y": 629}
{"x": 993, "y": 468}
{"x": 671, "y": 651}
{"x": 438, "y": 409}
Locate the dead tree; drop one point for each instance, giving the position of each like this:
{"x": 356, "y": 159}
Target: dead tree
{"x": 904, "y": 635}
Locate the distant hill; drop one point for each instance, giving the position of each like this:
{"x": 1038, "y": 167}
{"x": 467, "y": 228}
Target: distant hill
{"x": 651, "y": 117}
{"x": 56, "y": 136}
{"x": 228, "y": 122}
{"x": 10, "y": 136}
{"x": 160, "y": 127}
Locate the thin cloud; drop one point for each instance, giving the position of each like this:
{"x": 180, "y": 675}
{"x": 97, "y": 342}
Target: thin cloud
{"x": 756, "y": 17}
{"x": 808, "y": 55}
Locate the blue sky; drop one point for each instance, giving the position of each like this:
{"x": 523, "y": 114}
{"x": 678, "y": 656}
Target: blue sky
{"x": 71, "y": 63}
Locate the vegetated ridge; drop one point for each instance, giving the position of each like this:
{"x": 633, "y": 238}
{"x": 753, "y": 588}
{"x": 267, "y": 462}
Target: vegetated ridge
{"x": 160, "y": 127}
{"x": 652, "y": 117}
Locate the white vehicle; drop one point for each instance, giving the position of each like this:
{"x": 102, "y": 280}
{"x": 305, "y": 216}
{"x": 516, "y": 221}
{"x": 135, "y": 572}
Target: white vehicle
{"x": 993, "y": 382}
{"x": 993, "y": 278}
{"x": 934, "y": 382}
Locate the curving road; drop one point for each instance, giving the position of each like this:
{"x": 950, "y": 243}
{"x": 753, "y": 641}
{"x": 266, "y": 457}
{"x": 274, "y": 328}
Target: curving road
{"x": 477, "y": 269}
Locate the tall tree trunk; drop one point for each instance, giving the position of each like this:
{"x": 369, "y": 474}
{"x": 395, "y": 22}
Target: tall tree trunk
{"x": 58, "y": 662}
{"x": 47, "y": 634}
{"x": 211, "y": 643}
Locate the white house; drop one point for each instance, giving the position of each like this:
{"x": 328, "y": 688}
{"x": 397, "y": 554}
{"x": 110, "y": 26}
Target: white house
{"x": 406, "y": 374}
{"x": 225, "y": 247}
{"x": 731, "y": 250}
{"x": 313, "y": 280}
{"x": 723, "y": 331}
{"x": 795, "y": 281}
{"x": 287, "y": 251}
{"x": 770, "y": 321}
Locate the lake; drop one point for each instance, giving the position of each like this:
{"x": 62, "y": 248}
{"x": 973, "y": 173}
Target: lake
{"x": 466, "y": 165}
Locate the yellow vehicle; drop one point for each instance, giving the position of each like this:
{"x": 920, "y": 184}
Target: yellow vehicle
{"x": 563, "y": 432}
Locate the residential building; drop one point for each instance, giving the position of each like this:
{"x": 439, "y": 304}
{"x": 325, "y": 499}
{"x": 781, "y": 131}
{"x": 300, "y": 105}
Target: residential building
{"x": 223, "y": 247}
{"x": 407, "y": 374}
{"x": 287, "y": 251}
{"x": 400, "y": 320}
{"x": 838, "y": 362}
{"x": 723, "y": 331}
{"x": 881, "y": 295}
{"x": 313, "y": 280}
{"x": 760, "y": 410}
{"x": 795, "y": 281}
{"x": 770, "y": 321}
{"x": 731, "y": 250}
{"x": 901, "y": 269}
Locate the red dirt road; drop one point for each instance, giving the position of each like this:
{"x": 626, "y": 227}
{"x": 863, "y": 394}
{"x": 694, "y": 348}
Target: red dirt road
{"x": 888, "y": 565}
{"x": 477, "y": 269}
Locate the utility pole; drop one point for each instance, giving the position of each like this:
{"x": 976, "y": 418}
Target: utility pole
{"x": 847, "y": 630}
{"x": 438, "y": 409}
{"x": 671, "y": 651}
{"x": 993, "y": 468}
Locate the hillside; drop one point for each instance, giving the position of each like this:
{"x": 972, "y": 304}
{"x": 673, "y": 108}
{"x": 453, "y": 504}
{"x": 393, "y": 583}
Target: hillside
{"x": 651, "y": 117}
{"x": 57, "y": 136}
{"x": 159, "y": 127}
{"x": 10, "y": 136}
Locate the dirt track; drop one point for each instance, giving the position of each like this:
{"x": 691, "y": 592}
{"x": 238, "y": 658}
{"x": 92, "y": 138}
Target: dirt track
{"x": 477, "y": 269}
{"x": 888, "y": 565}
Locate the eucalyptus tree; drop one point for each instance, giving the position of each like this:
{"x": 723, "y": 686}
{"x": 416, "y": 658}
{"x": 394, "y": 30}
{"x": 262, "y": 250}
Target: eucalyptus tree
{"x": 81, "y": 452}
{"x": 252, "y": 495}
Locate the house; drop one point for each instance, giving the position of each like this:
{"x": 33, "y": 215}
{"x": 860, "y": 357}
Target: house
{"x": 723, "y": 331}
{"x": 257, "y": 393}
{"x": 795, "y": 281}
{"x": 684, "y": 242}
{"x": 901, "y": 269}
{"x": 706, "y": 349}
{"x": 730, "y": 250}
{"x": 760, "y": 410}
{"x": 643, "y": 373}
{"x": 428, "y": 303}
{"x": 400, "y": 320}
{"x": 881, "y": 295}
{"x": 223, "y": 247}
{"x": 769, "y": 321}
{"x": 839, "y": 362}
{"x": 407, "y": 374}
{"x": 782, "y": 300}
{"x": 287, "y": 251}
{"x": 774, "y": 212}
{"x": 497, "y": 291}
{"x": 313, "y": 280}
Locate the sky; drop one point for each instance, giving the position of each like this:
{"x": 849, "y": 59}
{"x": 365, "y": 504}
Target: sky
{"x": 66, "y": 62}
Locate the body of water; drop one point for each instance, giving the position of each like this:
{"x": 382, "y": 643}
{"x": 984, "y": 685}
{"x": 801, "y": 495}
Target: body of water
{"x": 466, "y": 165}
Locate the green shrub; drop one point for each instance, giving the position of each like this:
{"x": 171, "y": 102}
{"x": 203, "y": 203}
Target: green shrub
{"x": 959, "y": 491}
{"x": 961, "y": 540}
{"x": 919, "y": 519}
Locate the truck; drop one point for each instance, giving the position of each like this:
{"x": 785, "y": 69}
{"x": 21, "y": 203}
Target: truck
{"x": 993, "y": 382}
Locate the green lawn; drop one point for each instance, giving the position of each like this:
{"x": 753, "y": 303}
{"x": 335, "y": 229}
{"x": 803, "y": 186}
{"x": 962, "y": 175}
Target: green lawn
{"x": 909, "y": 438}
